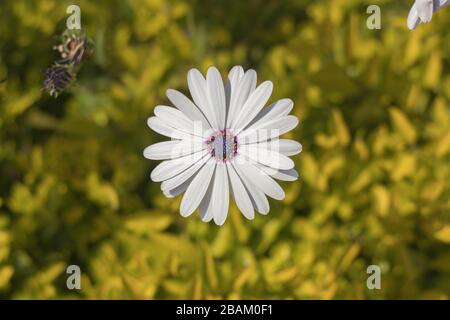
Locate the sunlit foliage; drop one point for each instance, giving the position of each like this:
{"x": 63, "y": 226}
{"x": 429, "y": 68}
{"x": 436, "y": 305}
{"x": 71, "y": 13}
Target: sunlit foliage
{"x": 374, "y": 172}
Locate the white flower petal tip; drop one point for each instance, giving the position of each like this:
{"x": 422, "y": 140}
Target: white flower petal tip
{"x": 225, "y": 144}
{"x": 413, "y": 19}
{"x": 422, "y": 11}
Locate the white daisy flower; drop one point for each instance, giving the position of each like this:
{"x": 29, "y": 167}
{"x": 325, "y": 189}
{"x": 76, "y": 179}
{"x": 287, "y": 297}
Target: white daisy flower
{"x": 224, "y": 142}
{"x": 422, "y": 11}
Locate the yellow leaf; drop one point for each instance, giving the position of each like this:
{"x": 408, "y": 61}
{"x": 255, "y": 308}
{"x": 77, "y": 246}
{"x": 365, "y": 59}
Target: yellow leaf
{"x": 361, "y": 181}
{"x": 341, "y": 128}
{"x": 210, "y": 267}
{"x": 240, "y": 231}
{"x": 101, "y": 193}
{"x": 5, "y": 276}
{"x": 361, "y": 149}
{"x": 197, "y": 287}
{"x": 147, "y": 221}
{"x": 49, "y": 274}
{"x": 269, "y": 234}
{"x": 432, "y": 191}
{"x": 381, "y": 199}
{"x": 170, "y": 242}
{"x": 413, "y": 96}
{"x": 5, "y": 240}
{"x": 179, "y": 289}
{"x": 440, "y": 112}
{"x": 287, "y": 274}
{"x": 412, "y": 51}
{"x": 22, "y": 103}
{"x": 140, "y": 287}
{"x": 443, "y": 145}
{"x": 326, "y": 141}
{"x": 242, "y": 278}
{"x": 404, "y": 167}
{"x": 292, "y": 193}
{"x": 350, "y": 256}
{"x": 433, "y": 69}
{"x": 402, "y": 125}
{"x": 443, "y": 234}
{"x": 333, "y": 165}
{"x": 309, "y": 168}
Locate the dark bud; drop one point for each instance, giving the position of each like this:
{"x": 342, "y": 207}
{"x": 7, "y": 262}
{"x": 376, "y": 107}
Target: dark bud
{"x": 56, "y": 79}
{"x": 74, "y": 49}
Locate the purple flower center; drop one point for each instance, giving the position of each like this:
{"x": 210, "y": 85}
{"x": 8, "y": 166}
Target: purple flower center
{"x": 222, "y": 145}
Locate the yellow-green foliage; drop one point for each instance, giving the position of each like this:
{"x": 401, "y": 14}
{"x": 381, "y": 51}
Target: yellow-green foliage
{"x": 374, "y": 173}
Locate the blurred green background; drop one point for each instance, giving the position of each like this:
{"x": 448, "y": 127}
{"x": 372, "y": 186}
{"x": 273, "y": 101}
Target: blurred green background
{"x": 374, "y": 172}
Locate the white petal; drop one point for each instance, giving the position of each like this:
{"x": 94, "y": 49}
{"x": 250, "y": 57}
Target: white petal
{"x": 234, "y": 77}
{"x": 284, "y": 175}
{"x": 413, "y": 18}
{"x": 159, "y": 126}
{"x": 240, "y": 194}
{"x": 170, "y": 168}
{"x": 197, "y": 189}
{"x": 221, "y": 194}
{"x": 425, "y": 9}
{"x": 216, "y": 94}
{"x": 244, "y": 89}
{"x": 177, "y": 180}
{"x": 267, "y": 157}
{"x": 176, "y": 119}
{"x": 253, "y": 105}
{"x": 197, "y": 87}
{"x": 171, "y": 193}
{"x": 206, "y": 209}
{"x": 185, "y": 105}
{"x": 284, "y": 146}
{"x": 173, "y": 149}
{"x": 216, "y": 200}
{"x": 278, "y": 109}
{"x": 268, "y": 130}
{"x": 289, "y": 147}
{"x": 262, "y": 181}
{"x": 258, "y": 198}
